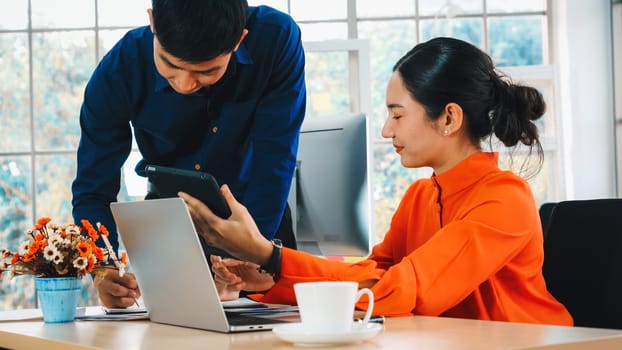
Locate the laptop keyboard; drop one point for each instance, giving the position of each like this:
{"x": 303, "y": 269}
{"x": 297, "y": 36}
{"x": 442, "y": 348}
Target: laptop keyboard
{"x": 235, "y": 319}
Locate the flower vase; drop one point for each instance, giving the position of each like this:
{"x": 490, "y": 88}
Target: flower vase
{"x": 58, "y": 297}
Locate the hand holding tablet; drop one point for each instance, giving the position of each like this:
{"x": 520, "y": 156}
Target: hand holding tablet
{"x": 201, "y": 185}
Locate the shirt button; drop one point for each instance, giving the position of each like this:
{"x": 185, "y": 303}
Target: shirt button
{"x": 197, "y": 166}
{"x": 214, "y": 129}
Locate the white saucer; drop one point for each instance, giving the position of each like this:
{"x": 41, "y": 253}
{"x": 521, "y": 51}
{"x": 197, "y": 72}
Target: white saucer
{"x": 295, "y": 333}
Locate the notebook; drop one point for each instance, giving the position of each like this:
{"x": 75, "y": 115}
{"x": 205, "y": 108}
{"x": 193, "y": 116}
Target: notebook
{"x": 172, "y": 271}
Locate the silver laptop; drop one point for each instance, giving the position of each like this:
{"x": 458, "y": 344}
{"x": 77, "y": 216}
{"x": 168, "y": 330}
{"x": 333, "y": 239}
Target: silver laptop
{"x": 172, "y": 271}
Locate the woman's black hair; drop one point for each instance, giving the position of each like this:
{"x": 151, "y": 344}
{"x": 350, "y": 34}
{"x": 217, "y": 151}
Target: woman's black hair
{"x": 198, "y": 30}
{"x": 444, "y": 70}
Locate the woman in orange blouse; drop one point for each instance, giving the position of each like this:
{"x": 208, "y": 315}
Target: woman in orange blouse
{"x": 466, "y": 242}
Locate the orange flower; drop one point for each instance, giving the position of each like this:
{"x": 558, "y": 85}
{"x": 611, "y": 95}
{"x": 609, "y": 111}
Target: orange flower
{"x": 84, "y": 248}
{"x": 28, "y": 257}
{"x": 34, "y": 247}
{"x": 103, "y": 230}
{"x": 90, "y": 265}
{"x": 15, "y": 258}
{"x": 99, "y": 253}
{"x": 90, "y": 229}
{"x": 124, "y": 258}
{"x": 44, "y": 221}
{"x": 39, "y": 237}
{"x": 93, "y": 234}
{"x": 86, "y": 224}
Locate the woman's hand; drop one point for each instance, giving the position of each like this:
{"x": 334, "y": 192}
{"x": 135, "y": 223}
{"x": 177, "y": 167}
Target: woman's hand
{"x": 232, "y": 276}
{"x": 238, "y": 234}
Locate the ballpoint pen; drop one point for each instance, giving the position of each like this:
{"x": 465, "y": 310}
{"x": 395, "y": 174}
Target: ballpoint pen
{"x": 119, "y": 266}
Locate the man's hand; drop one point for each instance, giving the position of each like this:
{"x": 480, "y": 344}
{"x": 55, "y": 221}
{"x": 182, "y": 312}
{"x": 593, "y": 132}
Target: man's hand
{"x": 114, "y": 290}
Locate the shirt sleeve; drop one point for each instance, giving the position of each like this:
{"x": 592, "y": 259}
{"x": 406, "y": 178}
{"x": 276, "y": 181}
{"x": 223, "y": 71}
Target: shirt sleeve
{"x": 105, "y": 143}
{"x": 274, "y": 134}
{"x": 432, "y": 278}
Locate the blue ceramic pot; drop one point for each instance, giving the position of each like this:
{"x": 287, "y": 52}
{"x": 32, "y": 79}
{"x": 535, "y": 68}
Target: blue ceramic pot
{"x": 58, "y": 297}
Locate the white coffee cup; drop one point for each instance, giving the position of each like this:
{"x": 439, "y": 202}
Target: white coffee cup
{"x": 329, "y": 306}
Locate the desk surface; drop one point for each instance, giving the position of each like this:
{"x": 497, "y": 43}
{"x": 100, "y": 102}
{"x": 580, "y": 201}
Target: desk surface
{"x": 417, "y": 332}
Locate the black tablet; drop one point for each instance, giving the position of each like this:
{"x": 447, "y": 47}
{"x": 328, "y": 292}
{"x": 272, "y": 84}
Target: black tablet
{"x": 167, "y": 182}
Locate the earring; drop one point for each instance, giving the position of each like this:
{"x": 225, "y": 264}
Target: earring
{"x": 446, "y": 132}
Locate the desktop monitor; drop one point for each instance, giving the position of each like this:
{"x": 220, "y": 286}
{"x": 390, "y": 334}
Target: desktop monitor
{"x": 330, "y": 197}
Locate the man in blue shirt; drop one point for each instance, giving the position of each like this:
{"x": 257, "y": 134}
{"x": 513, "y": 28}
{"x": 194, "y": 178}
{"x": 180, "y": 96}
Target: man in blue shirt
{"x": 210, "y": 85}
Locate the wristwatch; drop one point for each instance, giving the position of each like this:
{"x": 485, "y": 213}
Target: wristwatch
{"x": 274, "y": 263}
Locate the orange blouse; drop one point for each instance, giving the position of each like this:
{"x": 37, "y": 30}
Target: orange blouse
{"x": 466, "y": 243}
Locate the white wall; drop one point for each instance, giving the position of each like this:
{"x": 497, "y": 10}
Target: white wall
{"x": 617, "y": 67}
{"x": 583, "y": 53}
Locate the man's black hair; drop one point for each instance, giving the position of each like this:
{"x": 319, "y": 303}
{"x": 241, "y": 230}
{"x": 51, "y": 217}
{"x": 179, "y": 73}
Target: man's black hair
{"x": 198, "y": 30}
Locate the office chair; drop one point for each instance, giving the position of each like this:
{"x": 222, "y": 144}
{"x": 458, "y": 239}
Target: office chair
{"x": 545, "y": 211}
{"x": 583, "y": 260}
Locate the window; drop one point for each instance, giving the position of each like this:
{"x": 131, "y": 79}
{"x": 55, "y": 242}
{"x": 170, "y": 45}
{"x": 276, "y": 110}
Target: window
{"x": 513, "y": 33}
{"x": 48, "y": 53}
{"x": 616, "y": 19}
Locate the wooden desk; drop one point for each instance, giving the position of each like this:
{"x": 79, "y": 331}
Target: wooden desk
{"x": 400, "y": 333}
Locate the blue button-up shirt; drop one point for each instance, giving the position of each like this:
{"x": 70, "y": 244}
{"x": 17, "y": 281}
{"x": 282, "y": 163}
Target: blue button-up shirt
{"x": 243, "y": 130}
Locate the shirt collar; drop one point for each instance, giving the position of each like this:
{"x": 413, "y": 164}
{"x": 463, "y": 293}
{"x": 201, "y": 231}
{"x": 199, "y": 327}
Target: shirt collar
{"x": 240, "y": 56}
{"x": 467, "y": 172}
